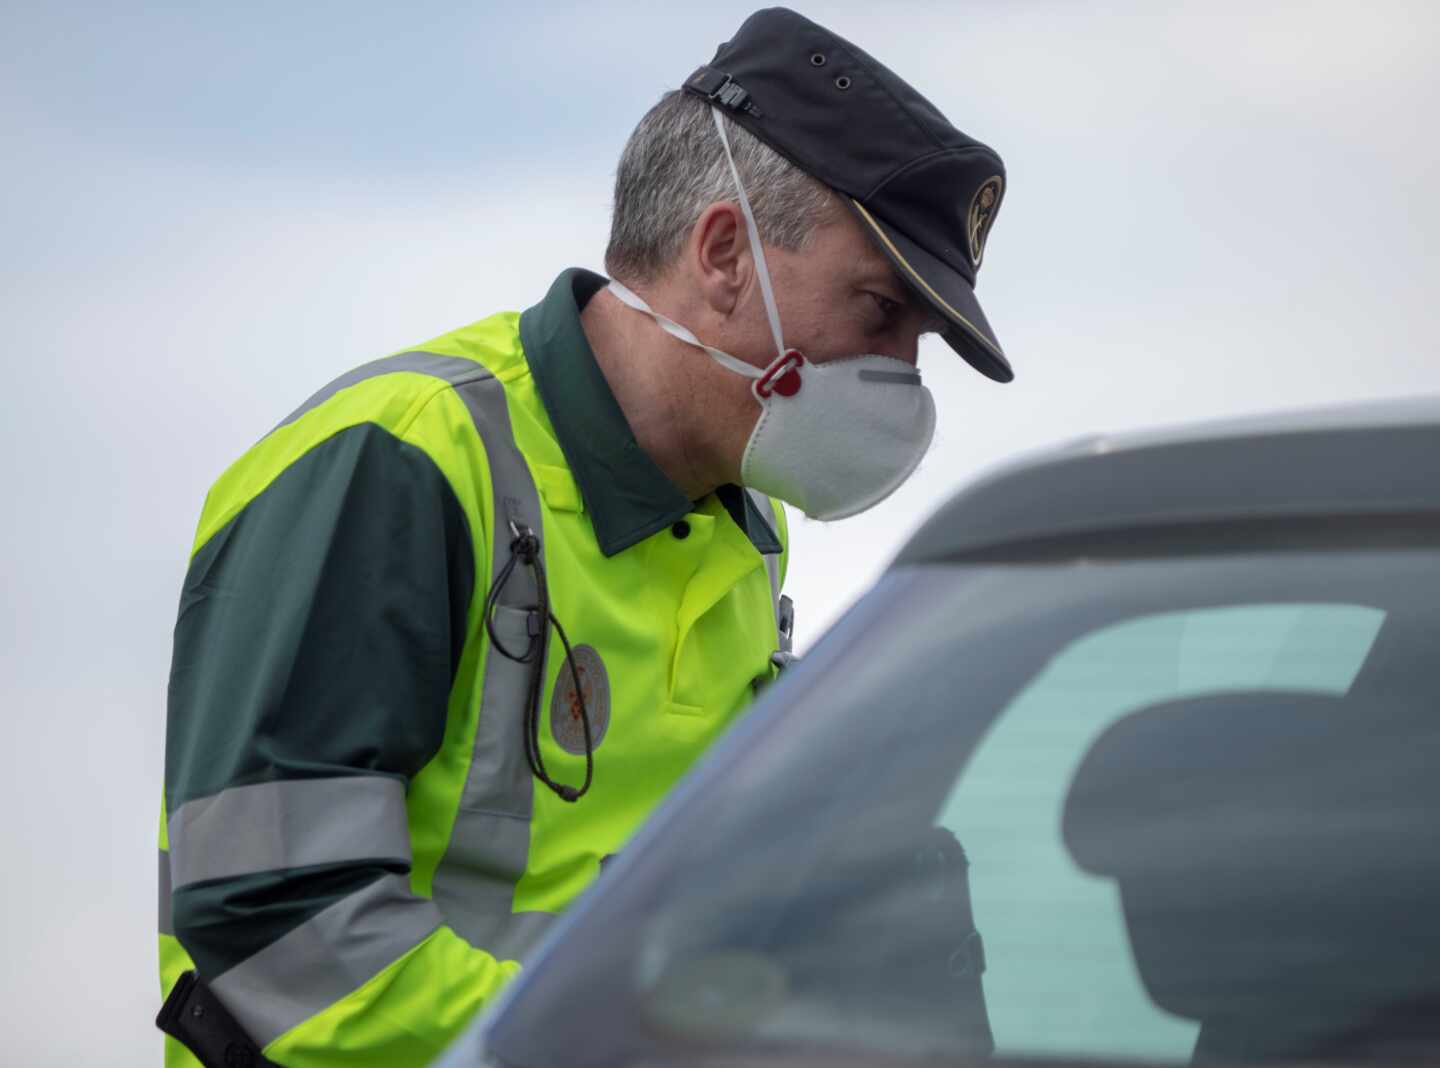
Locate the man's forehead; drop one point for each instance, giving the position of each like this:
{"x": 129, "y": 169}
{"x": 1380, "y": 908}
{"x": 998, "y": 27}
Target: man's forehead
{"x": 868, "y": 264}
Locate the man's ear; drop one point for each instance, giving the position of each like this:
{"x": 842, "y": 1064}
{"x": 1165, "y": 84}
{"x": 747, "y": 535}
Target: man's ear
{"x": 719, "y": 255}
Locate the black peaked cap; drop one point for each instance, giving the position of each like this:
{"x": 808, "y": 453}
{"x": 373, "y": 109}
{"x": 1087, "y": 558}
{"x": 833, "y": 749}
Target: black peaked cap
{"x": 925, "y": 192}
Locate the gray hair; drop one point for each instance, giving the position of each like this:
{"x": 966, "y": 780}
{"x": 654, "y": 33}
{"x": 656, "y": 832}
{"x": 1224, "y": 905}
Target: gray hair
{"x": 674, "y": 166}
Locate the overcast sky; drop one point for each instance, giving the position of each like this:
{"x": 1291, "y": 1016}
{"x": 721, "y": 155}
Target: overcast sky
{"x": 210, "y": 210}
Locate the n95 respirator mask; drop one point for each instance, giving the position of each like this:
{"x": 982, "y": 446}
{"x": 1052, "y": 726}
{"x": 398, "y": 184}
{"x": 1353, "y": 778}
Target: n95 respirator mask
{"x": 833, "y": 438}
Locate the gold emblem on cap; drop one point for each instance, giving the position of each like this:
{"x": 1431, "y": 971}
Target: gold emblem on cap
{"x": 983, "y": 206}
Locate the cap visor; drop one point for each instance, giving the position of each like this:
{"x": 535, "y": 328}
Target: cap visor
{"x": 946, "y": 290}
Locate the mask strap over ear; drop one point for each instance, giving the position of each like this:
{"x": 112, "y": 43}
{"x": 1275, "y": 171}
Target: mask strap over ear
{"x": 674, "y": 329}
{"x": 770, "y": 310}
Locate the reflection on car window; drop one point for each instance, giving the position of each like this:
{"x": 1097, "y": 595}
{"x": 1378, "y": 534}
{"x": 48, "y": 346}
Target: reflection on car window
{"x": 1060, "y": 968}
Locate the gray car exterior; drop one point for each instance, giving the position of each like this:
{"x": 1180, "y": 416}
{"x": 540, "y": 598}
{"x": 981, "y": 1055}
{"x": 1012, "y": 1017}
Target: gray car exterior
{"x": 1206, "y": 657}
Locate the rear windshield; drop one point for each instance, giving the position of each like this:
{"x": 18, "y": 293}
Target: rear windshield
{"x": 1114, "y": 810}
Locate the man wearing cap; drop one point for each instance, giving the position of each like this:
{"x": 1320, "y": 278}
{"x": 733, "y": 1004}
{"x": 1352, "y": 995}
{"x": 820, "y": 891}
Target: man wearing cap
{"x": 452, "y": 629}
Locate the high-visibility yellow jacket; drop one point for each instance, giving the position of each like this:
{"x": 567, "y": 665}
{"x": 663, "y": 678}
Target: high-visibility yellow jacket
{"x": 354, "y": 851}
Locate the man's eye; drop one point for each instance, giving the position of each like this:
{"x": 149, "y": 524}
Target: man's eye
{"x": 888, "y": 308}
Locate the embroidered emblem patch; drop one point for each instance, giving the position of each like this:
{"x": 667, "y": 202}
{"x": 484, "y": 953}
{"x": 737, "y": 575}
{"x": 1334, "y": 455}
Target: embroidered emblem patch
{"x": 565, "y": 724}
{"x": 983, "y": 206}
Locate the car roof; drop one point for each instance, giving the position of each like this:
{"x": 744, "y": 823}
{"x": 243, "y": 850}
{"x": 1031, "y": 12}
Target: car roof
{"x": 1349, "y": 464}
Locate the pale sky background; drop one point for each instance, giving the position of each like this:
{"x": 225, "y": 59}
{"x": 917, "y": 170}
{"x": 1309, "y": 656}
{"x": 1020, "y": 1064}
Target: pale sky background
{"x": 210, "y": 210}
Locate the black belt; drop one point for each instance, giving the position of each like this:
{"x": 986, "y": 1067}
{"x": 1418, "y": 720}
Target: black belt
{"x": 194, "y": 1017}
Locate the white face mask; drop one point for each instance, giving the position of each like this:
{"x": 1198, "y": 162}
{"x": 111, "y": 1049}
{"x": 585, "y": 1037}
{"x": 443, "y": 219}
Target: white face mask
{"x": 833, "y": 438}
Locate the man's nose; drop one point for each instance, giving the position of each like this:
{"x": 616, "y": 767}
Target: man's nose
{"x": 908, "y": 349}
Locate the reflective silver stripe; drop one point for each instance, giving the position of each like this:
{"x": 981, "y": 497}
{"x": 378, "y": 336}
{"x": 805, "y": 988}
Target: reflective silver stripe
{"x": 772, "y": 560}
{"x": 490, "y": 844}
{"x": 448, "y": 368}
{"x": 328, "y": 956}
{"x": 784, "y": 607}
{"x": 291, "y": 824}
{"x": 474, "y": 885}
{"x": 505, "y": 935}
{"x": 166, "y": 925}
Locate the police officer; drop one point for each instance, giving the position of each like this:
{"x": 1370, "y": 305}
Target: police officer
{"x": 452, "y": 629}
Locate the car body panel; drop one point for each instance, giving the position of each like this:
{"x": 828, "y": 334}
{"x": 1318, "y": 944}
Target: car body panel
{"x": 1379, "y": 459}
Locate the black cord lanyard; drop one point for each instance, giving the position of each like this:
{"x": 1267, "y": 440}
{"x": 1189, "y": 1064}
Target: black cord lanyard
{"x": 525, "y": 548}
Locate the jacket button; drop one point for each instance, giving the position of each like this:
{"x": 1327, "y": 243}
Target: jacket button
{"x": 681, "y": 529}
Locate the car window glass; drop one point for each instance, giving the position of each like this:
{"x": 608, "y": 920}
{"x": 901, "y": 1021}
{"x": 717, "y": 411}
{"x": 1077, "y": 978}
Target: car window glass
{"x": 1144, "y": 809}
{"x": 1060, "y": 974}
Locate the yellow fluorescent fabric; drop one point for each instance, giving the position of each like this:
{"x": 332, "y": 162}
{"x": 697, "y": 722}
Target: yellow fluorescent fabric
{"x": 682, "y": 627}
{"x": 396, "y": 1019}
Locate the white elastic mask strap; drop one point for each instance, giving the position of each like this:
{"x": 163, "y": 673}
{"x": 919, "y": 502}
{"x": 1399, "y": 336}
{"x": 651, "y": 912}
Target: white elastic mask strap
{"x": 770, "y": 310}
{"x": 674, "y": 329}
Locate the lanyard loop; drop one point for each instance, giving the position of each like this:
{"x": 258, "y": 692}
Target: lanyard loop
{"x": 525, "y": 549}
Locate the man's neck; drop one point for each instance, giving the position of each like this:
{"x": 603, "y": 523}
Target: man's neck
{"x": 680, "y": 406}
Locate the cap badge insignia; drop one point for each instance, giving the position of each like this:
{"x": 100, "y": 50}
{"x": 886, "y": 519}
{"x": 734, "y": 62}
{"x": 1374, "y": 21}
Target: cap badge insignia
{"x": 983, "y": 206}
{"x": 566, "y": 725}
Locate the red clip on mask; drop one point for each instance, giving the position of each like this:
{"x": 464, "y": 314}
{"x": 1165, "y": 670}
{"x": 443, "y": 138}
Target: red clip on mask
{"x": 782, "y": 376}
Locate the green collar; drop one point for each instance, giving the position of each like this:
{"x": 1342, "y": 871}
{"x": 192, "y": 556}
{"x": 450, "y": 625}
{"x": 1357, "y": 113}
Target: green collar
{"x": 627, "y": 496}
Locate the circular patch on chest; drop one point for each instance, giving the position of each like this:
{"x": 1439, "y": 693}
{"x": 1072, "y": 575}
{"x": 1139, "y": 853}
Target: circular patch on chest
{"x": 566, "y": 726}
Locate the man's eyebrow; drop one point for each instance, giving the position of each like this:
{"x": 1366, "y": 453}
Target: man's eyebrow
{"x": 883, "y": 275}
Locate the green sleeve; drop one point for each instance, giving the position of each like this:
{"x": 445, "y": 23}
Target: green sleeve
{"x": 318, "y": 638}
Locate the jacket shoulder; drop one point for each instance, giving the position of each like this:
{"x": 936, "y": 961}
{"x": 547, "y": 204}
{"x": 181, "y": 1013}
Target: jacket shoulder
{"x": 397, "y": 394}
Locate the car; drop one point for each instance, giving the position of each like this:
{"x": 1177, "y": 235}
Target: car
{"x": 1129, "y": 757}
